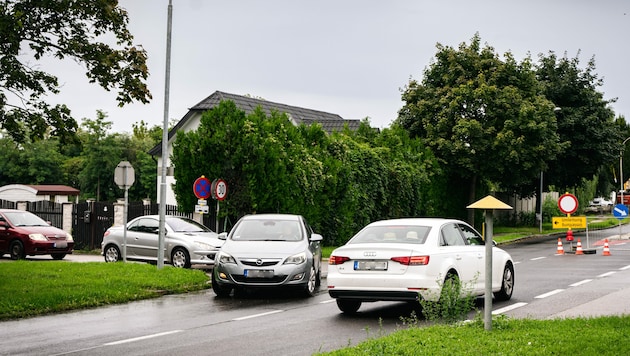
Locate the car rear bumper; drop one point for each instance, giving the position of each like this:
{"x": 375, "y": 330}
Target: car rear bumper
{"x": 373, "y": 295}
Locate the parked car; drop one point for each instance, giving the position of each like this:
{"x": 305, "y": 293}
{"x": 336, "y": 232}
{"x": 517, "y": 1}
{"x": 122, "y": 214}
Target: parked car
{"x": 268, "y": 251}
{"x": 599, "y": 205}
{"x": 23, "y": 233}
{"x": 186, "y": 242}
{"x": 410, "y": 259}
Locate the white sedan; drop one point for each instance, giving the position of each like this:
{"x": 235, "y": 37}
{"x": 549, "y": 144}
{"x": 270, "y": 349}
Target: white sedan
{"x": 410, "y": 259}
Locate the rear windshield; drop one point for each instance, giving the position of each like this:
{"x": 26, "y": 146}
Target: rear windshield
{"x": 389, "y": 234}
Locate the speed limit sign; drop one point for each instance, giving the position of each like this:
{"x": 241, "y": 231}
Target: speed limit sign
{"x": 219, "y": 189}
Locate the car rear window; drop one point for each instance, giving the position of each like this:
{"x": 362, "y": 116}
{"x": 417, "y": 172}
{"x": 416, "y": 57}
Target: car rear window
{"x": 392, "y": 234}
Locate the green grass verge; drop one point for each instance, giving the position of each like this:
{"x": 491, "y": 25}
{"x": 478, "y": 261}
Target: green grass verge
{"x": 30, "y": 288}
{"x": 581, "y": 336}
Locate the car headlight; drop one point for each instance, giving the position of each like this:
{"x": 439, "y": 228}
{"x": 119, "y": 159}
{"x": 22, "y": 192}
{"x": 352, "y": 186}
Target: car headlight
{"x": 225, "y": 258}
{"x": 204, "y": 246}
{"x": 37, "y": 237}
{"x": 296, "y": 259}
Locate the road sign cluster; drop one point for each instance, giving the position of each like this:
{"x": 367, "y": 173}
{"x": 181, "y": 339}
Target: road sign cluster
{"x": 204, "y": 189}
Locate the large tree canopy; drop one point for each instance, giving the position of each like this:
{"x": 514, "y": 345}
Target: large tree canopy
{"x": 75, "y": 29}
{"x": 485, "y": 118}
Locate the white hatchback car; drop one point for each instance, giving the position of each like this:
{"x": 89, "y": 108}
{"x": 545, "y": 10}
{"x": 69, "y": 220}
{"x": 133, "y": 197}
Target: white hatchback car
{"x": 410, "y": 259}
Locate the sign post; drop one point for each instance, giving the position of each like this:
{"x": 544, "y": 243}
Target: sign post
{"x": 620, "y": 211}
{"x": 219, "y": 192}
{"x": 124, "y": 176}
{"x": 201, "y": 188}
{"x": 568, "y": 204}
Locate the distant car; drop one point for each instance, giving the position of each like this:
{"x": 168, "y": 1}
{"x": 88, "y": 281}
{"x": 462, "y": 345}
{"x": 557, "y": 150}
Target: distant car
{"x": 268, "y": 251}
{"x": 23, "y": 233}
{"x": 599, "y": 204}
{"x": 411, "y": 259}
{"x": 186, "y": 242}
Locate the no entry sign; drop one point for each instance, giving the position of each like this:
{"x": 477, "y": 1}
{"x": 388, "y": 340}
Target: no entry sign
{"x": 568, "y": 203}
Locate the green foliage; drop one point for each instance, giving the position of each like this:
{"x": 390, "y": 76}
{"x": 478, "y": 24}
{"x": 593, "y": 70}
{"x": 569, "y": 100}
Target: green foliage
{"x": 454, "y": 304}
{"x": 486, "y": 119}
{"x": 550, "y": 209}
{"x": 63, "y": 29}
{"x": 31, "y": 288}
{"x": 339, "y": 182}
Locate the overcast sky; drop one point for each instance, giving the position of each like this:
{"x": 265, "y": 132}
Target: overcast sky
{"x": 348, "y": 57}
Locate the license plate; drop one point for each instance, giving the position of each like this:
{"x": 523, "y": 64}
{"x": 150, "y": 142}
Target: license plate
{"x": 60, "y": 244}
{"x": 370, "y": 265}
{"x": 258, "y": 273}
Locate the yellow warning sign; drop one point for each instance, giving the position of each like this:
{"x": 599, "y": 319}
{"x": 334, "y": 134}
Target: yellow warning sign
{"x": 573, "y": 222}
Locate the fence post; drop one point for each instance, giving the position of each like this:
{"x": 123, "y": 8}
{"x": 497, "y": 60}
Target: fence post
{"x": 66, "y": 217}
{"x": 119, "y": 213}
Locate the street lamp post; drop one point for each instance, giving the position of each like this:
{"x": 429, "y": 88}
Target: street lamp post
{"x": 623, "y": 145}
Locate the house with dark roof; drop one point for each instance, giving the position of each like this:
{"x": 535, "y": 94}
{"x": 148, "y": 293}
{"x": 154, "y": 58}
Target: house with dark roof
{"x": 30, "y": 193}
{"x": 190, "y": 121}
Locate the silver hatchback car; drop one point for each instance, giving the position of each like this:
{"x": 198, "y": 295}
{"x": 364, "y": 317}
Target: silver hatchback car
{"x": 268, "y": 251}
{"x": 186, "y": 241}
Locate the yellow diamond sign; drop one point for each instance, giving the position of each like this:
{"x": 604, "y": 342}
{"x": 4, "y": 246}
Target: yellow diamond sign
{"x": 573, "y": 222}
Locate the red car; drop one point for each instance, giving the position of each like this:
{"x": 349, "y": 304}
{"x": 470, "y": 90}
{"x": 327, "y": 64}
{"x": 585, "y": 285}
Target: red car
{"x": 23, "y": 233}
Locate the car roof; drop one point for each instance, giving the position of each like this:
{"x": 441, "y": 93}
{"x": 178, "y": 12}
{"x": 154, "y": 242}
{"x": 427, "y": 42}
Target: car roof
{"x": 271, "y": 217}
{"x": 416, "y": 221}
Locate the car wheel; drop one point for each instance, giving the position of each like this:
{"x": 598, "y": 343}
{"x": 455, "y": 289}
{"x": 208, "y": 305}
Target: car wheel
{"x": 180, "y": 258}
{"x": 309, "y": 288}
{"x": 348, "y": 306}
{"x": 221, "y": 292}
{"x": 17, "y": 250}
{"x": 58, "y": 256}
{"x": 112, "y": 253}
{"x": 318, "y": 280}
{"x": 451, "y": 289}
{"x": 507, "y": 284}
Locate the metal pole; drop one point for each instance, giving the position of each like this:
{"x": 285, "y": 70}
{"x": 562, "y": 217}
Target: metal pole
{"x": 124, "y": 253}
{"x": 541, "y": 200}
{"x": 162, "y": 232}
{"x": 487, "y": 305}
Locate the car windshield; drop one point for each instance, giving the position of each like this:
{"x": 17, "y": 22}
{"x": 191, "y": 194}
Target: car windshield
{"x": 392, "y": 234}
{"x": 267, "y": 230}
{"x": 24, "y": 218}
{"x": 186, "y": 225}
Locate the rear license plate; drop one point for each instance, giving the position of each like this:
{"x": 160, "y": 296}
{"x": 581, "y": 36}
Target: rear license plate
{"x": 60, "y": 244}
{"x": 258, "y": 273}
{"x": 370, "y": 265}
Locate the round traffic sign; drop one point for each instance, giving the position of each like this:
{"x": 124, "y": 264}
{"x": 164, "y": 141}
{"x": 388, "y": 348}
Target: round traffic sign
{"x": 201, "y": 188}
{"x": 219, "y": 189}
{"x": 568, "y": 203}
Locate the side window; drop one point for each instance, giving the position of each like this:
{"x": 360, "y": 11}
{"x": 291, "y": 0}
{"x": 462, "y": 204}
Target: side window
{"x": 451, "y": 236}
{"x": 471, "y": 235}
{"x": 145, "y": 225}
{"x": 134, "y": 226}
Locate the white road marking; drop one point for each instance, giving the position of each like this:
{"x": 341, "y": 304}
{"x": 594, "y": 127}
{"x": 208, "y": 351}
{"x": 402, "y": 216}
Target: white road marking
{"x": 606, "y": 274}
{"x": 549, "y": 294}
{"x": 508, "y": 308}
{"x": 142, "y": 337}
{"x": 624, "y": 268}
{"x": 327, "y": 301}
{"x": 257, "y": 315}
{"x": 580, "y": 283}
{"x": 537, "y": 258}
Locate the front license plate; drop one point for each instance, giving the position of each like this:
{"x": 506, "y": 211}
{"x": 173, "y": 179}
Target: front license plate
{"x": 258, "y": 273}
{"x": 370, "y": 265}
{"x": 60, "y": 244}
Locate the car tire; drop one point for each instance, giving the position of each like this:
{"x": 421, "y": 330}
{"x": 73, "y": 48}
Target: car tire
{"x": 451, "y": 288}
{"x": 311, "y": 285}
{"x": 16, "y": 250}
{"x": 221, "y": 292}
{"x": 348, "y": 306}
{"x": 507, "y": 284}
{"x": 58, "y": 256}
{"x": 112, "y": 254}
{"x": 180, "y": 258}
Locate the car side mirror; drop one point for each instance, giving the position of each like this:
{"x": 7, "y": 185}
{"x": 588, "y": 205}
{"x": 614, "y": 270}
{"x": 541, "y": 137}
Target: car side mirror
{"x": 222, "y": 236}
{"x": 316, "y": 237}
{"x": 4, "y": 225}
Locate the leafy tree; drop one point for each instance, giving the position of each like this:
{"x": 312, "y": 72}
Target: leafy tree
{"x": 63, "y": 29}
{"x": 486, "y": 119}
{"x": 586, "y": 122}
{"x": 38, "y": 162}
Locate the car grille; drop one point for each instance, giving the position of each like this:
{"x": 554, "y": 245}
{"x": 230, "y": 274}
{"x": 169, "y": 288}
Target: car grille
{"x": 239, "y": 278}
{"x": 259, "y": 262}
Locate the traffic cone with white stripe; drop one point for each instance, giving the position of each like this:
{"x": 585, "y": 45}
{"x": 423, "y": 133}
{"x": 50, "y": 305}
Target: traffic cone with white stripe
{"x": 560, "y": 250}
{"x": 578, "y": 250}
{"x": 606, "y": 248}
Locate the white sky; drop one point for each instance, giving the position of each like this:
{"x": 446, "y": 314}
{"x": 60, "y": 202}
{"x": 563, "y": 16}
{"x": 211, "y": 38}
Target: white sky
{"x": 348, "y": 57}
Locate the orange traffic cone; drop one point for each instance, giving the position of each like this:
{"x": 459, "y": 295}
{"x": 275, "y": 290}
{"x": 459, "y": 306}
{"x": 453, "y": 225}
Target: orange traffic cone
{"x": 560, "y": 250}
{"x": 578, "y": 250}
{"x": 606, "y": 248}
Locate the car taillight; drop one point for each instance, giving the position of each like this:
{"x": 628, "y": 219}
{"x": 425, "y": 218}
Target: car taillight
{"x": 412, "y": 260}
{"x": 106, "y": 233}
{"x": 337, "y": 260}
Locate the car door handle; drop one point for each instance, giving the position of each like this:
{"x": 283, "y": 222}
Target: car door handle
{"x": 458, "y": 257}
